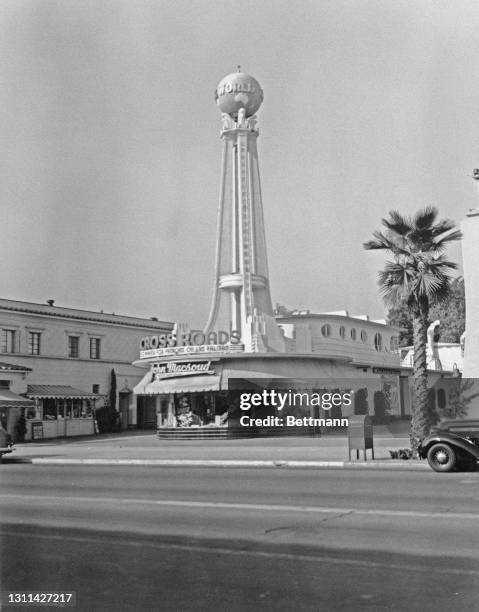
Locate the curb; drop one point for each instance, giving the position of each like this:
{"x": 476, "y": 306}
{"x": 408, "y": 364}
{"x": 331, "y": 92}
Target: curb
{"x": 356, "y": 465}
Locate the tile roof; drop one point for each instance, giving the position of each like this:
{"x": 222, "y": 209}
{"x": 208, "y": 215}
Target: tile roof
{"x": 60, "y": 391}
{"x": 8, "y": 399}
{"x": 84, "y": 315}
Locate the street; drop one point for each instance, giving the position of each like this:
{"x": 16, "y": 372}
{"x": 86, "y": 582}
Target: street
{"x": 148, "y": 538}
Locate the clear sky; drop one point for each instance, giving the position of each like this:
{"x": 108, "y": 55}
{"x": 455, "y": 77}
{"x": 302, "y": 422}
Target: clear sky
{"x": 110, "y": 150}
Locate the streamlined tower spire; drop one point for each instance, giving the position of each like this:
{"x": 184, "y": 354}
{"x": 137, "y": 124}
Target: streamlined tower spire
{"x": 241, "y": 299}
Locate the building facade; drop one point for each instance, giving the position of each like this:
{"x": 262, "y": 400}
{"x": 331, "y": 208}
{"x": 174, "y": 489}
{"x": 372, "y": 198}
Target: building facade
{"x": 190, "y": 372}
{"x": 470, "y": 257}
{"x": 61, "y": 359}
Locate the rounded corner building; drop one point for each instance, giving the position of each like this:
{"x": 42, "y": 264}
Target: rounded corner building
{"x": 191, "y": 371}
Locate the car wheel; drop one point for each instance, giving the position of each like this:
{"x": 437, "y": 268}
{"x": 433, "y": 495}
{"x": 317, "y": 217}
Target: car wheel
{"x": 441, "y": 457}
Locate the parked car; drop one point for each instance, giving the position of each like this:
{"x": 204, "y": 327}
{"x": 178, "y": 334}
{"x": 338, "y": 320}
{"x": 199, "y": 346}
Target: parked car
{"x": 452, "y": 445}
{"x": 6, "y": 443}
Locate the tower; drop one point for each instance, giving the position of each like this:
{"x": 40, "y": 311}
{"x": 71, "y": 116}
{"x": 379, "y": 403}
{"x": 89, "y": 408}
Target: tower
{"x": 241, "y": 298}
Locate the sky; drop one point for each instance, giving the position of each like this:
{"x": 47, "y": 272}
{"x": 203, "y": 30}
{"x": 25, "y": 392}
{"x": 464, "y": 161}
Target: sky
{"x": 110, "y": 150}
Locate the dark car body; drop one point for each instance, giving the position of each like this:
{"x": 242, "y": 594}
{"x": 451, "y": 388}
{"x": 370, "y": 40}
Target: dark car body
{"x": 452, "y": 445}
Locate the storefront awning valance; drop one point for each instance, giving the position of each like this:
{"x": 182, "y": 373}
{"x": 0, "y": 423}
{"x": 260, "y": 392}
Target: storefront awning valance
{"x": 58, "y": 392}
{"x": 185, "y": 384}
{"x": 8, "y": 399}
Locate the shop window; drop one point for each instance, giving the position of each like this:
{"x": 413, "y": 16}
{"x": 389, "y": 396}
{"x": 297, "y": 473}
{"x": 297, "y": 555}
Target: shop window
{"x": 378, "y": 341}
{"x": 364, "y": 335}
{"x": 4, "y": 384}
{"x": 342, "y": 332}
{"x": 34, "y": 343}
{"x": 73, "y": 346}
{"x": 326, "y": 330}
{"x": 62, "y": 408}
{"x": 68, "y": 408}
{"x": 49, "y": 409}
{"x": 76, "y": 408}
{"x": 31, "y": 413}
{"x": 86, "y": 409}
{"x": 94, "y": 348}
{"x": 353, "y": 334}
{"x": 8, "y": 340}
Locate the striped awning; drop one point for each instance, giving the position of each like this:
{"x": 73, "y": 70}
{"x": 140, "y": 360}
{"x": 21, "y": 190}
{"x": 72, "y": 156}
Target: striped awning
{"x": 8, "y": 399}
{"x": 13, "y": 367}
{"x": 184, "y": 384}
{"x": 58, "y": 391}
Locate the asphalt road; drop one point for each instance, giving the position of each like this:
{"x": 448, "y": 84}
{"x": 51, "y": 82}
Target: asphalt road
{"x": 129, "y": 538}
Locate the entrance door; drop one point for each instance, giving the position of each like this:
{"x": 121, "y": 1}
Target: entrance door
{"x": 146, "y": 412}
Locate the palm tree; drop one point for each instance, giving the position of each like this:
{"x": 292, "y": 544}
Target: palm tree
{"x": 419, "y": 275}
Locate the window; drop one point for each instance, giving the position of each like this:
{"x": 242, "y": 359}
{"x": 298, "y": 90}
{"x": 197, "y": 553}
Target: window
{"x": 326, "y": 330}
{"x": 94, "y": 348}
{"x": 353, "y": 334}
{"x": 34, "y": 343}
{"x": 95, "y": 388}
{"x": 73, "y": 346}
{"x": 364, "y": 335}
{"x": 378, "y": 342}
{"x": 8, "y": 340}
{"x": 393, "y": 343}
{"x": 342, "y": 332}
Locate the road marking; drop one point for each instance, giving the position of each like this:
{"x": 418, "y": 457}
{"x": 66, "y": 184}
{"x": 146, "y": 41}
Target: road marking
{"x": 180, "y": 503}
{"x": 252, "y": 553}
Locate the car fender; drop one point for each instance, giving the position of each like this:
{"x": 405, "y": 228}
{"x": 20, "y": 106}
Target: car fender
{"x": 457, "y": 442}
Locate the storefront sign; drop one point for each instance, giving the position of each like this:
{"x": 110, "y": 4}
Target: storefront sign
{"x": 173, "y": 369}
{"x": 192, "y": 350}
{"x": 37, "y": 430}
{"x": 386, "y": 371}
{"x": 191, "y": 342}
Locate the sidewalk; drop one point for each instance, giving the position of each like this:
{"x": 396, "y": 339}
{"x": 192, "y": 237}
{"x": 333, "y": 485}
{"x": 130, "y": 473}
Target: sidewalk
{"x": 140, "y": 448}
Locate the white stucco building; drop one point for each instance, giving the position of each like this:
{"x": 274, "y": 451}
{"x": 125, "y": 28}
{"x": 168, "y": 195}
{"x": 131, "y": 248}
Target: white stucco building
{"x": 61, "y": 360}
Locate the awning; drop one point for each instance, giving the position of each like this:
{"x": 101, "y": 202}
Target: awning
{"x": 12, "y": 367}
{"x": 58, "y": 391}
{"x": 8, "y": 399}
{"x": 185, "y": 384}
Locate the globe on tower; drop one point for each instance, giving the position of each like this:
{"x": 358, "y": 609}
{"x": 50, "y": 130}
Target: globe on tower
{"x": 239, "y": 90}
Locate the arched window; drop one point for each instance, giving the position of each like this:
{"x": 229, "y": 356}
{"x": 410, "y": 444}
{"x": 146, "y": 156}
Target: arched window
{"x": 378, "y": 341}
{"x": 342, "y": 332}
{"x": 326, "y": 330}
{"x": 353, "y": 334}
{"x": 364, "y": 335}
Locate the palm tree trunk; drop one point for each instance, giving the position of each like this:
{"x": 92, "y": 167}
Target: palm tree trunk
{"x": 420, "y": 421}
